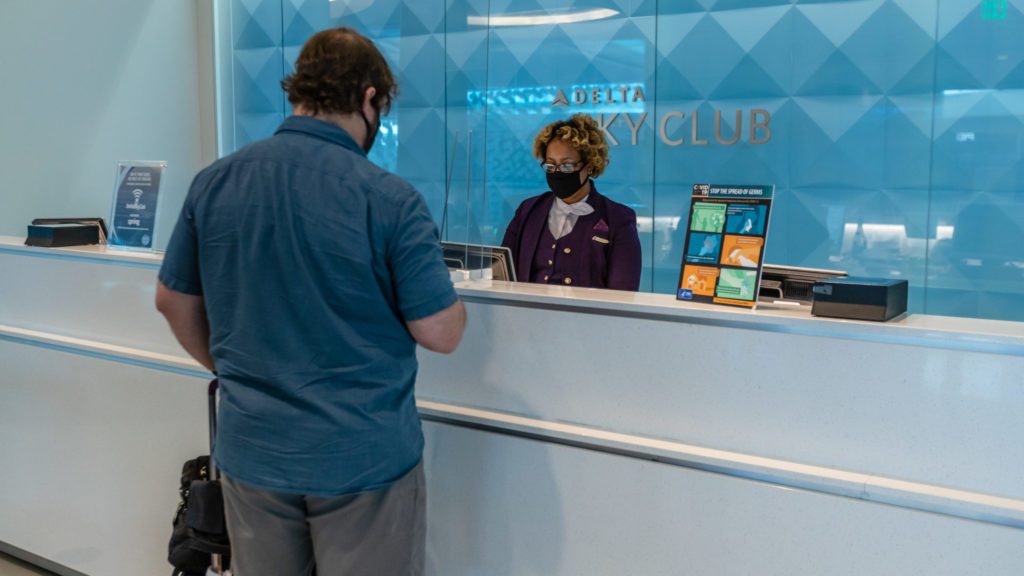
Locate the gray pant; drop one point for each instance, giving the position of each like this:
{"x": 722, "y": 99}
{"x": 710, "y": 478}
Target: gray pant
{"x": 379, "y": 533}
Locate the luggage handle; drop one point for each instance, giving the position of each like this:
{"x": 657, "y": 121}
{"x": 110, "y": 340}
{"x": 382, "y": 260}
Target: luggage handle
{"x": 211, "y": 392}
{"x": 216, "y": 560}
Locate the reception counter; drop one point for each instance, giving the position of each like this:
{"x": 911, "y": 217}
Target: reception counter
{"x": 575, "y": 431}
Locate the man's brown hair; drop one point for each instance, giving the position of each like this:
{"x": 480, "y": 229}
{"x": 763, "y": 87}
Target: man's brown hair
{"x": 334, "y": 70}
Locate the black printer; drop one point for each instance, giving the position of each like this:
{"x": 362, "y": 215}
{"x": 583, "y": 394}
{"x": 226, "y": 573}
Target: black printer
{"x": 878, "y": 299}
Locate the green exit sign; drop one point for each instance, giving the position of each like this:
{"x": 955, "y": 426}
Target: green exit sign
{"x": 993, "y": 9}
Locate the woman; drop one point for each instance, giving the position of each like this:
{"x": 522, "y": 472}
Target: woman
{"x": 572, "y": 235}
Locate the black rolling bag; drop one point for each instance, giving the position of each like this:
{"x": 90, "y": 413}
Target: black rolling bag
{"x": 199, "y": 538}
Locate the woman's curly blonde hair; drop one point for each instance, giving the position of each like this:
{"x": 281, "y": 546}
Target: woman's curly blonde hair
{"x": 582, "y": 133}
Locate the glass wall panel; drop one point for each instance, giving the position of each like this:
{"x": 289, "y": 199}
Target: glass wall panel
{"x": 551, "y": 59}
{"x": 976, "y": 241}
{"x": 412, "y": 37}
{"x": 268, "y": 35}
{"x": 830, "y": 102}
{"x": 465, "y": 143}
{"x": 893, "y": 130}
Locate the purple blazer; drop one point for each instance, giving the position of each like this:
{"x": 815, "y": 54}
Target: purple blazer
{"x": 606, "y": 242}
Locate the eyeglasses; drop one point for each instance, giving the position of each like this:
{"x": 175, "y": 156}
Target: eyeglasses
{"x": 567, "y": 168}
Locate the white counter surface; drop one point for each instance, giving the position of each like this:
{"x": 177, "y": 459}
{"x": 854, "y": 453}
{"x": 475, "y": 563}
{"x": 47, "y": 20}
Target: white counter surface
{"x": 101, "y": 253}
{"x": 912, "y": 329}
{"x": 994, "y": 336}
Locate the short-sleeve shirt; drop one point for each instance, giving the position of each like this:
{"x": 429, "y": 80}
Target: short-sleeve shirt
{"x": 310, "y": 260}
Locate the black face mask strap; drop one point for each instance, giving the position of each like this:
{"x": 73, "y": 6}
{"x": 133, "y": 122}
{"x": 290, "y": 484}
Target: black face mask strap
{"x": 371, "y": 134}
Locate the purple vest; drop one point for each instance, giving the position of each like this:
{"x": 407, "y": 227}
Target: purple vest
{"x": 555, "y": 261}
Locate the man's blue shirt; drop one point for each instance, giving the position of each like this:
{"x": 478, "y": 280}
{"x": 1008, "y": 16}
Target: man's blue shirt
{"x": 310, "y": 260}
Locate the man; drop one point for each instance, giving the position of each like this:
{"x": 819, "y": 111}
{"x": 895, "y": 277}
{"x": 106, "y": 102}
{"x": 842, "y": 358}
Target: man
{"x": 304, "y": 275}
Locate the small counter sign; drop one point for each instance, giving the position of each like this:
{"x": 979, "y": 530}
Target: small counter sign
{"x": 725, "y": 241}
{"x": 133, "y": 218}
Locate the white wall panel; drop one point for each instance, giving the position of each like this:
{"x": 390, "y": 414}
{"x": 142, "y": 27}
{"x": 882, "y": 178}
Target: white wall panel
{"x": 92, "y": 451}
{"x": 504, "y": 506}
{"x": 109, "y": 303}
{"x": 910, "y": 412}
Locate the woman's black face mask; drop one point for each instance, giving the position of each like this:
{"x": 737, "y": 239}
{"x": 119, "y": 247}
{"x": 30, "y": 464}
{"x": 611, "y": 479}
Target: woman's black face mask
{"x": 564, "y": 184}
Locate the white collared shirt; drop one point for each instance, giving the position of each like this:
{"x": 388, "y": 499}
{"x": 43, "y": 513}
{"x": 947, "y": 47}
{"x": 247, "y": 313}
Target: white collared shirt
{"x": 563, "y": 217}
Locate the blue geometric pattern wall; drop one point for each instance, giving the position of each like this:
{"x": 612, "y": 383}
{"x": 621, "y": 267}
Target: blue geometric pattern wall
{"x": 892, "y": 129}
{"x": 257, "y": 69}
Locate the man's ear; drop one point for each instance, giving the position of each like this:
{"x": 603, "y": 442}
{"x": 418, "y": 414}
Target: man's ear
{"x": 368, "y": 97}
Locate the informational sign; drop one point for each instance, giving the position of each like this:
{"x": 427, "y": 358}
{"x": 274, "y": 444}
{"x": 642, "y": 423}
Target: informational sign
{"x": 725, "y": 242}
{"x": 133, "y": 216}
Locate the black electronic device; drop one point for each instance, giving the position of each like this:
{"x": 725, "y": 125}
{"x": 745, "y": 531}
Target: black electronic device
{"x": 462, "y": 256}
{"x": 877, "y": 299}
{"x": 60, "y": 232}
{"x": 790, "y": 284}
